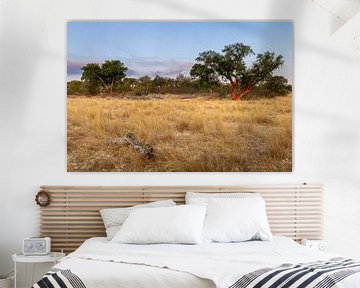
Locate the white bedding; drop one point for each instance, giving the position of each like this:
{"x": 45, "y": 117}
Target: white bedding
{"x": 100, "y": 263}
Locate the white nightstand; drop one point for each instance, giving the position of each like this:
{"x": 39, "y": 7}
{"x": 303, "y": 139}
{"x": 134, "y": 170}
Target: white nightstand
{"x": 320, "y": 245}
{"x": 53, "y": 257}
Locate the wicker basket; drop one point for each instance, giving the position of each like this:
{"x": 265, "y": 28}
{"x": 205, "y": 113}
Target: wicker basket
{"x": 5, "y": 280}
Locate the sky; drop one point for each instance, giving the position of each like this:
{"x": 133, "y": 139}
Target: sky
{"x": 170, "y": 48}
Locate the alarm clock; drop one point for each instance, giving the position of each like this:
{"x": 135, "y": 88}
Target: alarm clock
{"x": 36, "y": 246}
{"x": 320, "y": 245}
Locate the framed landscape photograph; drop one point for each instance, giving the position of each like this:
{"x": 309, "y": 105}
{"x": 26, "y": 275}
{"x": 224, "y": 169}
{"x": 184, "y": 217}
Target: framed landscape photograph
{"x": 179, "y": 96}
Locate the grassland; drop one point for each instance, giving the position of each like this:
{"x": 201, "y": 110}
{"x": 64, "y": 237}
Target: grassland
{"x": 195, "y": 134}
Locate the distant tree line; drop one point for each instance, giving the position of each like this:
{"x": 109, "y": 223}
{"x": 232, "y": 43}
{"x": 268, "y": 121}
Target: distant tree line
{"x": 145, "y": 85}
{"x": 213, "y": 72}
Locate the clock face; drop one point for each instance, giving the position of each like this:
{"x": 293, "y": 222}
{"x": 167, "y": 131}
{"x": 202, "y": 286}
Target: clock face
{"x": 40, "y": 245}
{"x": 323, "y": 247}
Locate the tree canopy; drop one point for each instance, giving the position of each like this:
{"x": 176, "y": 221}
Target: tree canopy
{"x": 107, "y": 75}
{"x": 230, "y": 65}
{"x": 277, "y": 85}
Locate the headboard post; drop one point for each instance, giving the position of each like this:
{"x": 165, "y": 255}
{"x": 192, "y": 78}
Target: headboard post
{"x": 73, "y": 214}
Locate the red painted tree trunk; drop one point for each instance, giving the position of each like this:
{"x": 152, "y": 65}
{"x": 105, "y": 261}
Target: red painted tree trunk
{"x": 237, "y": 96}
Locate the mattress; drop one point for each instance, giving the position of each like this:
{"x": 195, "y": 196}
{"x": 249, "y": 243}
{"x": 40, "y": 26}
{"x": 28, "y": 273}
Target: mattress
{"x": 99, "y": 263}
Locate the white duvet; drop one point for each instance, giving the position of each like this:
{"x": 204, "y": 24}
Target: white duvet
{"x": 100, "y": 263}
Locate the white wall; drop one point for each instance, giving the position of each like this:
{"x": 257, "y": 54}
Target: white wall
{"x": 33, "y": 109}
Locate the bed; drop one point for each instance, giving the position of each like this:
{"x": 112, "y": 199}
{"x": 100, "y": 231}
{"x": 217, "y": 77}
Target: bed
{"x": 99, "y": 263}
{"x": 295, "y": 211}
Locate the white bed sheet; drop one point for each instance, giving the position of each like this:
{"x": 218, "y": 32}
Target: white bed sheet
{"x": 100, "y": 263}
{"x": 101, "y": 274}
{"x": 110, "y": 274}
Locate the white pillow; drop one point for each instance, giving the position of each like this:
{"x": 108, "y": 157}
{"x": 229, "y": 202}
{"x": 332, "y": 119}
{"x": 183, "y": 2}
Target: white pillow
{"x": 113, "y": 218}
{"x": 180, "y": 224}
{"x": 203, "y": 198}
{"x": 236, "y": 220}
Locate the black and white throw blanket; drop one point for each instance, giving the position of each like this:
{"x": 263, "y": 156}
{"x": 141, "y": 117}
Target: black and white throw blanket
{"x": 59, "y": 278}
{"x": 320, "y": 274}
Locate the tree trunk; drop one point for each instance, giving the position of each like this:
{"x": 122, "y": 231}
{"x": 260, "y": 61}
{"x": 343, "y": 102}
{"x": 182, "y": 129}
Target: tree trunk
{"x": 111, "y": 87}
{"x": 146, "y": 150}
{"x": 237, "y": 96}
{"x": 233, "y": 91}
{"x": 108, "y": 89}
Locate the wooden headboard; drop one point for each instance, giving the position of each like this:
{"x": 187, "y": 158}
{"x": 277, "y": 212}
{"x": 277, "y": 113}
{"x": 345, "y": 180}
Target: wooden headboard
{"x": 73, "y": 215}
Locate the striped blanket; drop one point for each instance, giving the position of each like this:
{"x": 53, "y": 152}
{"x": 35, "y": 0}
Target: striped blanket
{"x": 320, "y": 274}
{"x": 57, "y": 278}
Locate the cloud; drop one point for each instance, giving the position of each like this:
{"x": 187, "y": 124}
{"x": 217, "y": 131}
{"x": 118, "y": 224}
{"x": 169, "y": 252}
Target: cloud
{"x": 74, "y": 67}
{"x": 152, "y": 66}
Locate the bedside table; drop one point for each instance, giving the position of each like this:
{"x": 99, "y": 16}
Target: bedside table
{"x": 320, "y": 245}
{"x": 53, "y": 257}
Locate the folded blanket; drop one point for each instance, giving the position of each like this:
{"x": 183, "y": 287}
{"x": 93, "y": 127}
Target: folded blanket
{"x": 319, "y": 274}
{"x": 59, "y": 278}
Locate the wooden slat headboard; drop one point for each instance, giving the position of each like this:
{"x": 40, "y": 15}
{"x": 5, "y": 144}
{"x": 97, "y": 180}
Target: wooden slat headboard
{"x": 73, "y": 215}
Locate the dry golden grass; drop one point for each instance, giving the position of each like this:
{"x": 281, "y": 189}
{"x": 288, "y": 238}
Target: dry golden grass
{"x": 187, "y": 134}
